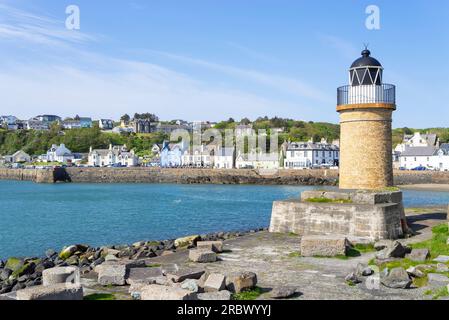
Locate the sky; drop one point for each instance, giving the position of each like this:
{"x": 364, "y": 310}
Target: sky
{"x": 203, "y": 60}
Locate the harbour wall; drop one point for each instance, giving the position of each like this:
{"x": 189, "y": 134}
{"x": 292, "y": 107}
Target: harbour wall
{"x": 205, "y": 176}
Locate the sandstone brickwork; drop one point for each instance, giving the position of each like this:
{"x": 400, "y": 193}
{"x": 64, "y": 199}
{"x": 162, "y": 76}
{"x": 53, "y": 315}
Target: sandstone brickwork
{"x": 366, "y": 148}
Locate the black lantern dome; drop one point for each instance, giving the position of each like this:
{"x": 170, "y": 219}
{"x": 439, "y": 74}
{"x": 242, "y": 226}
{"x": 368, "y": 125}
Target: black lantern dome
{"x": 366, "y": 70}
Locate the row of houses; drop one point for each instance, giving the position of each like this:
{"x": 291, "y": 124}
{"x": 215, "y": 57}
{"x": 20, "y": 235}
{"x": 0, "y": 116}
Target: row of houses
{"x": 43, "y": 122}
{"x": 421, "y": 152}
{"x": 296, "y": 155}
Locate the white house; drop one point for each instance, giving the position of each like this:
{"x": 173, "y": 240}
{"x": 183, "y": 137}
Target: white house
{"x": 114, "y": 156}
{"x": 414, "y": 157}
{"x": 258, "y": 160}
{"x": 171, "y": 155}
{"x": 18, "y": 157}
{"x": 418, "y": 140}
{"x": 106, "y": 124}
{"x": 303, "y": 155}
{"x": 441, "y": 158}
{"x": 199, "y": 157}
{"x": 224, "y": 158}
{"x": 58, "y": 154}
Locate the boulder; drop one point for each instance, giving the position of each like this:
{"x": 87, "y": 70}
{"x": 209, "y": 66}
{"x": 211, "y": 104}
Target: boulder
{"x": 419, "y": 255}
{"x": 110, "y": 257}
{"x": 282, "y": 292}
{"x": 157, "y": 292}
{"x": 352, "y": 278}
{"x": 395, "y": 250}
{"x": 183, "y": 274}
{"x": 442, "y": 259}
{"x": 60, "y": 275}
{"x": 14, "y": 264}
{"x": 191, "y": 285}
{"x": 50, "y": 253}
{"x": 112, "y": 274}
{"x": 415, "y": 272}
{"x": 223, "y": 295}
{"x": 5, "y": 274}
{"x": 187, "y": 241}
{"x": 241, "y": 281}
{"x": 143, "y": 275}
{"x": 324, "y": 246}
{"x": 53, "y": 292}
{"x": 362, "y": 270}
{"x": 397, "y": 278}
{"x": 202, "y": 256}
{"x": 215, "y": 282}
{"x": 215, "y": 246}
{"x": 441, "y": 267}
{"x": 67, "y": 252}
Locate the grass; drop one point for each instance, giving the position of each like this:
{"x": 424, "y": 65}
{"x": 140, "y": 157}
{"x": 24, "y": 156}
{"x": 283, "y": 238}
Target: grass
{"x": 364, "y": 247}
{"x": 248, "y": 295}
{"x": 100, "y": 297}
{"x": 437, "y": 244}
{"x": 438, "y": 293}
{"x": 327, "y": 200}
{"x": 154, "y": 265}
{"x": 294, "y": 254}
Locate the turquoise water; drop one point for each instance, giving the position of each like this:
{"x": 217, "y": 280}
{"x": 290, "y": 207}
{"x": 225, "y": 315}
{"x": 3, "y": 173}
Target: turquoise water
{"x": 35, "y": 217}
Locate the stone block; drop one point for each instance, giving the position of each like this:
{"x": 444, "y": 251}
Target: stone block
{"x": 191, "y": 285}
{"x": 397, "y": 278}
{"x": 61, "y": 275}
{"x": 223, "y": 295}
{"x": 53, "y": 292}
{"x": 282, "y": 292}
{"x": 324, "y": 246}
{"x": 419, "y": 255}
{"x": 187, "y": 241}
{"x": 241, "y": 281}
{"x": 202, "y": 256}
{"x": 143, "y": 275}
{"x": 185, "y": 273}
{"x": 157, "y": 292}
{"x": 215, "y": 282}
{"x": 438, "y": 279}
{"x": 112, "y": 274}
{"x": 215, "y": 246}
{"x": 442, "y": 259}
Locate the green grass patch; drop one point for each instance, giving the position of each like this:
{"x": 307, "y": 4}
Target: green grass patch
{"x": 421, "y": 282}
{"x": 294, "y": 254}
{"x": 248, "y": 295}
{"x": 292, "y": 234}
{"x": 438, "y": 243}
{"x": 327, "y": 200}
{"x": 440, "y": 293}
{"x": 100, "y": 297}
{"x": 364, "y": 247}
{"x": 154, "y": 265}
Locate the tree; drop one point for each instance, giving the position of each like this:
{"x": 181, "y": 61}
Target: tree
{"x": 146, "y": 116}
{"x": 231, "y": 120}
{"x": 125, "y": 118}
{"x": 245, "y": 121}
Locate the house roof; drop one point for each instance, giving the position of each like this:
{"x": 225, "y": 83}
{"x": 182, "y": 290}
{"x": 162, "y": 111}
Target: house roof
{"x": 312, "y": 146}
{"x": 419, "y": 151}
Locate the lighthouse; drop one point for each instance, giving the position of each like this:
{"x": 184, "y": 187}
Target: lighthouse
{"x": 366, "y": 106}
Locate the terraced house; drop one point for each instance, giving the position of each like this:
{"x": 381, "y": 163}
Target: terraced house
{"x": 114, "y": 156}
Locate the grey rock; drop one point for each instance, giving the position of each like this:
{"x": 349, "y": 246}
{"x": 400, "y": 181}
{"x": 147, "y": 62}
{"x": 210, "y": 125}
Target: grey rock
{"x": 282, "y": 292}
{"x": 4, "y": 275}
{"x": 395, "y": 250}
{"x": 61, "y": 275}
{"x": 184, "y": 274}
{"x": 143, "y": 275}
{"x": 215, "y": 246}
{"x": 241, "y": 281}
{"x": 157, "y": 292}
{"x": 415, "y": 272}
{"x": 111, "y": 274}
{"x": 352, "y": 278}
{"x": 437, "y": 279}
{"x": 202, "y": 256}
{"x": 55, "y": 292}
{"x": 223, "y": 295}
{"x": 441, "y": 267}
{"x": 215, "y": 282}
{"x": 442, "y": 259}
{"x": 191, "y": 285}
{"x": 362, "y": 270}
{"x": 50, "y": 253}
{"x": 419, "y": 255}
{"x": 397, "y": 278}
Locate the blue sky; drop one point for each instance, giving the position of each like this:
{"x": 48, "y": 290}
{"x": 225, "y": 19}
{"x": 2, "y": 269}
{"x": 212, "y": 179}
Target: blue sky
{"x": 211, "y": 60}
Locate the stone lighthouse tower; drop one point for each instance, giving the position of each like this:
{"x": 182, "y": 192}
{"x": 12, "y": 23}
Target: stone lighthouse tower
{"x": 366, "y": 106}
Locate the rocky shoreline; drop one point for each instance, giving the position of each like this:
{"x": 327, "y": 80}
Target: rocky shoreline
{"x": 20, "y": 273}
